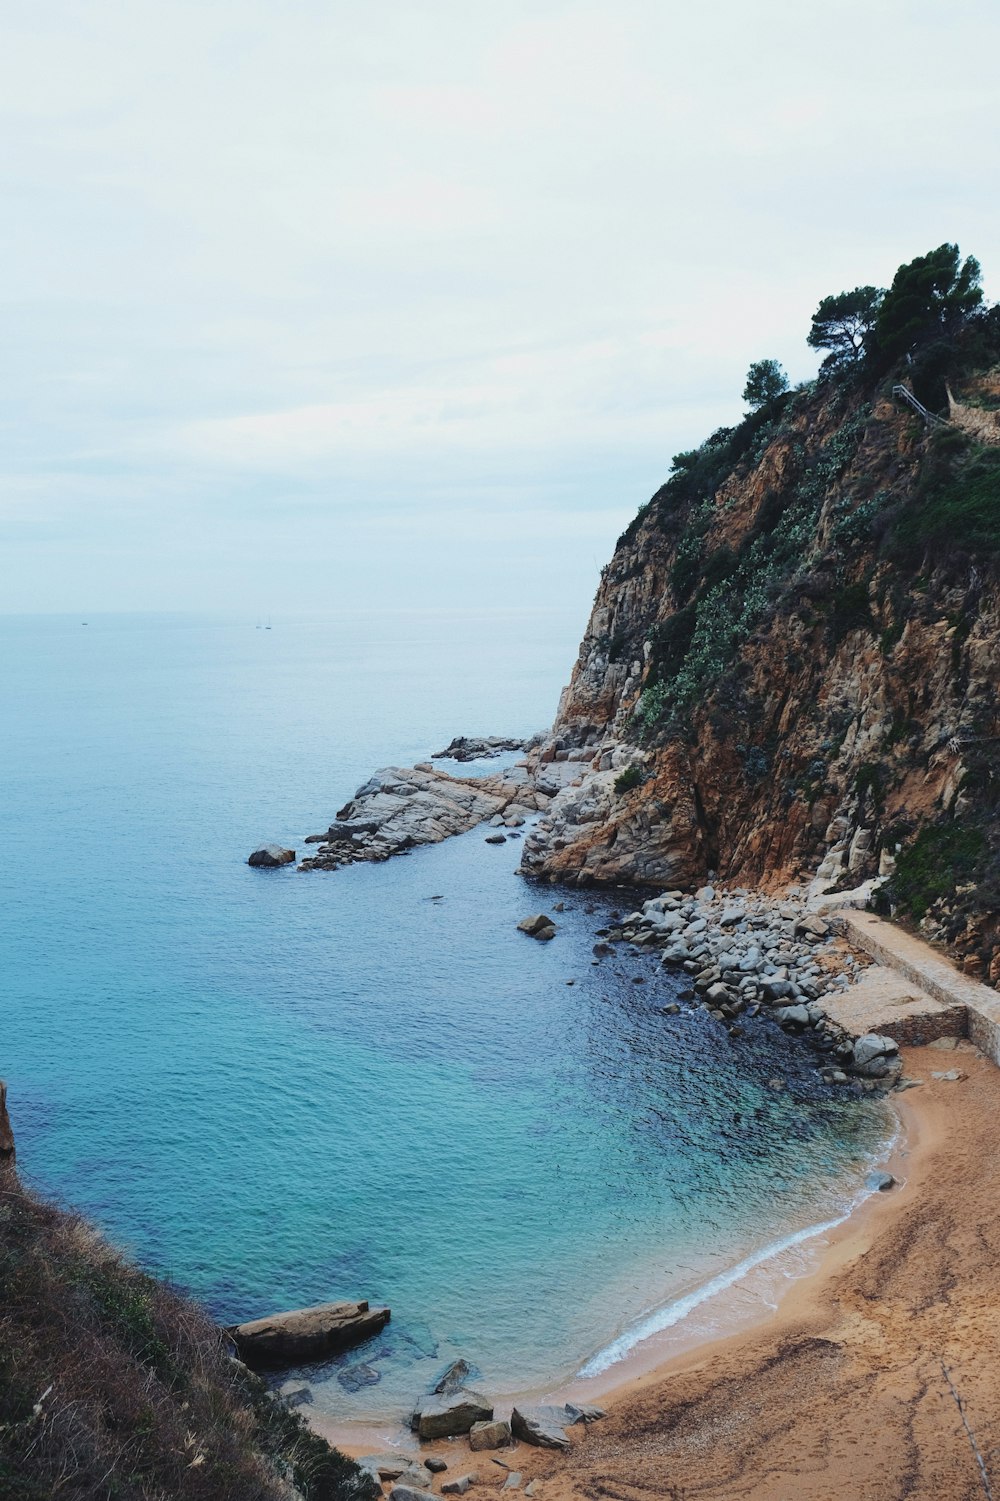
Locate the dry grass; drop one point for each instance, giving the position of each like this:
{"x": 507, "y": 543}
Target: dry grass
{"x": 113, "y": 1386}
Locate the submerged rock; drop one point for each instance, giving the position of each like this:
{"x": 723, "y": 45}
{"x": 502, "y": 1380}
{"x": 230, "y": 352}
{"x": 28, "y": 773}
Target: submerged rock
{"x": 354, "y": 1377}
{"x": 453, "y": 1377}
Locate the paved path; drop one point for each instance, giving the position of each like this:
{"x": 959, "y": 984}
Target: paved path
{"x": 916, "y": 994}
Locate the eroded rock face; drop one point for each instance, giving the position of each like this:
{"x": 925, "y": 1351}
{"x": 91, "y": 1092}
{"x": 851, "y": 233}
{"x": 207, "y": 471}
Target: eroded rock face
{"x": 306, "y": 1334}
{"x": 864, "y": 699}
{"x": 7, "y": 1150}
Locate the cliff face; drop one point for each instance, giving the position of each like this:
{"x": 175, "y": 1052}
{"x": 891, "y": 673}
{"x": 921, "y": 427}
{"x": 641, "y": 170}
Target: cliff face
{"x": 792, "y": 668}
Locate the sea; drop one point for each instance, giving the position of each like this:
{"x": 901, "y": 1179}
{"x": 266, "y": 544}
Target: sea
{"x": 279, "y": 1088}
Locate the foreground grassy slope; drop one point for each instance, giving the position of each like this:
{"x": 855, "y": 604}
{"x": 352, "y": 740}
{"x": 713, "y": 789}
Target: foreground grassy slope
{"x": 113, "y": 1386}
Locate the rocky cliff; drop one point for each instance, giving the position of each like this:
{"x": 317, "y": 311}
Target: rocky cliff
{"x": 791, "y": 669}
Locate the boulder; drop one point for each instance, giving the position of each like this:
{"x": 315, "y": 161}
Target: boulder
{"x": 270, "y": 856}
{"x": 460, "y": 1484}
{"x": 403, "y": 1467}
{"x": 796, "y": 1016}
{"x": 488, "y": 1436}
{"x": 7, "y": 1153}
{"x": 539, "y": 926}
{"x": 442, "y": 1415}
{"x": 542, "y": 1425}
{"x": 879, "y": 1182}
{"x": 306, "y": 1334}
{"x": 407, "y": 1493}
{"x": 495, "y": 839}
{"x": 873, "y": 1046}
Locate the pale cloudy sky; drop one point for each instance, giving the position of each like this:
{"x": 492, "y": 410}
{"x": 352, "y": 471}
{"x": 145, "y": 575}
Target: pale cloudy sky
{"x": 410, "y": 301}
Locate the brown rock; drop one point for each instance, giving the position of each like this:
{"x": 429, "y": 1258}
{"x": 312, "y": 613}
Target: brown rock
{"x": 488, "y": 1436}
{"x": 7, "y": 1152}
{"x": 306, "y": 1333}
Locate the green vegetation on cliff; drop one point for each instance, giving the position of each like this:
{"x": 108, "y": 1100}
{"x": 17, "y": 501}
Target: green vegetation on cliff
{"x": 113, "y": 1386}
{"x": 806, "y": 623}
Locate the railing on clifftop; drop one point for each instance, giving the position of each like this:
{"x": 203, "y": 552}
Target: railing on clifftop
{"x": 905, "y": 394}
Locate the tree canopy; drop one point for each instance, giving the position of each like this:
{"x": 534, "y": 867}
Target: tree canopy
{"x": 928, "y": 296}
{"x": 844, "y": 322}
{"x": 766, "y": 381}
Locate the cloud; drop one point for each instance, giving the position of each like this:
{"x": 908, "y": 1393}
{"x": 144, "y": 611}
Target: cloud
{"x": 266, "y": 271}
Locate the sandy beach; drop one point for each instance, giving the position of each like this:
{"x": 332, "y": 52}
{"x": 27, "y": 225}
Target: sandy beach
{"x": 838, "y": 1393}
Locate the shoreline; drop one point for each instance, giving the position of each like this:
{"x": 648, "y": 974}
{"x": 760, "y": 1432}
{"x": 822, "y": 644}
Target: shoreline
{"x": 838, "y": 1390}
{"x": 751, "y": 1300}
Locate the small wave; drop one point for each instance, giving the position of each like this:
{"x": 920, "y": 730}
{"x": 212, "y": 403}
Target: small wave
{"x": 672, "y": 1313}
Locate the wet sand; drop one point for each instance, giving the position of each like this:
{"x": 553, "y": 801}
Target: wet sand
{"x": 837, "y": 1394}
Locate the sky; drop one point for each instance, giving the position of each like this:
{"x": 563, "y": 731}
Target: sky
{"x": 353, "y": 305}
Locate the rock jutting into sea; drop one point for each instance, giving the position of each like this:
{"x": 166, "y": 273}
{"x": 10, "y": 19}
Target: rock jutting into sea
{"x": 400, "y": 808}
{"x": 471, "y": 748}
{"x": 270, "y": 856}
{"x": 7, "y": 1149}
{"x": 306, "y": 1334}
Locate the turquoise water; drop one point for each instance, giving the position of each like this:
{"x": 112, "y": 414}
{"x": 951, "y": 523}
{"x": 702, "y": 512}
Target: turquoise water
{"x": 280, "y": 1088}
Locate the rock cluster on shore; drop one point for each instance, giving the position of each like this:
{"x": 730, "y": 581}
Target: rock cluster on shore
{"x": 747, "y": 953}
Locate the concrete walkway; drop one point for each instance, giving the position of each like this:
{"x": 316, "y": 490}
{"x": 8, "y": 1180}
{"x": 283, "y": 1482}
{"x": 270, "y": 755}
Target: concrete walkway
{"x": 915, "y": 994}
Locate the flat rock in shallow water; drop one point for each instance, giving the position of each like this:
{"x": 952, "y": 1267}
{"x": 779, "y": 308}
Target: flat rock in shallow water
{"x": 305, "y": 1334}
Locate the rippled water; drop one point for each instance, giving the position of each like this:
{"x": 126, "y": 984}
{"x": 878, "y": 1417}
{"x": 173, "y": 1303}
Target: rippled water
{"x": 281, "y": 1088}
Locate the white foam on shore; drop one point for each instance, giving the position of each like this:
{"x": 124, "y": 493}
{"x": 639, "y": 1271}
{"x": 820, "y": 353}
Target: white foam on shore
{"x": 673, "y": 1313}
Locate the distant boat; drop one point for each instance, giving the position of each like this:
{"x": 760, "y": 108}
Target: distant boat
{"x": 268, "y": 626}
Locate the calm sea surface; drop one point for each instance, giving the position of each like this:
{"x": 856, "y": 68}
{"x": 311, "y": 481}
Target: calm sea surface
{"x": 282, "y": 1088}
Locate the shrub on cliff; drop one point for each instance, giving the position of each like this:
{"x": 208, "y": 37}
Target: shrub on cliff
{"x": 112, "y": 1385}
{"x": 844, "y": 324}
{"x": 766, "y": 381}
{"x": 929, "y": 869}
{"x": 930, "y": 296}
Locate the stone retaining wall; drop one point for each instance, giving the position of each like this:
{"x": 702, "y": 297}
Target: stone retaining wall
{"x": 958, "y": 1006}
